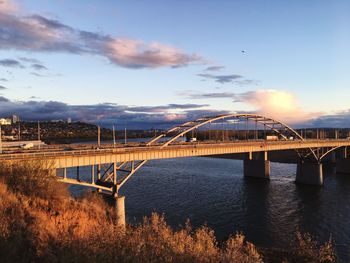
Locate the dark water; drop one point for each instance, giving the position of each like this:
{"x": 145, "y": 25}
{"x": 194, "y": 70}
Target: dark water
{"x": 214, "y": 192}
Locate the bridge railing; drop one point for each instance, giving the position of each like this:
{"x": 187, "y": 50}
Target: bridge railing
{"x": 101, "y": 151}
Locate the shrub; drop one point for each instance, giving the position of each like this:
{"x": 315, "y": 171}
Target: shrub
{"x": 34, "y": 229}
{"x": 238, "y": 250}
{"x": 308, "y": 250}
{"x": 33, "y": 178}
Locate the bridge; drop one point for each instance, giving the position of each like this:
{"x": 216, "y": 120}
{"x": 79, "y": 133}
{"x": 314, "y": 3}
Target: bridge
{"x": 255, "y": 139}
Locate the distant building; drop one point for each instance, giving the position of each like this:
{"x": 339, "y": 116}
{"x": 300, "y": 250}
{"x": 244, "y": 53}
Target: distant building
{"x": 15, "y": 119}
{"x": 69, "y": 120}
{"x": 6, "y": 121}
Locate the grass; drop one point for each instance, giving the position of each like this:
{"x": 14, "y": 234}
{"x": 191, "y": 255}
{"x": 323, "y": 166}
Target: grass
{"x": 41, "y": 222}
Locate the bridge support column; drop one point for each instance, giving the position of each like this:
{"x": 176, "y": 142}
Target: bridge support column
{"x": 120, "y": 206}
{"x": 256, "y": 168}
{"x": 99, "y": 176}
{"x": 309, "y": 173}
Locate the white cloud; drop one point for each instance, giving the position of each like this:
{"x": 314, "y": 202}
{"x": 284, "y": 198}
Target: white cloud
{"x": 282, "y": 105}
{"x": 278, "y": 104}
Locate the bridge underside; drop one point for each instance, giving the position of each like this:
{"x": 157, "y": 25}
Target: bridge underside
{"x": 257, "y": 140}
{"x": 111, "y": 176}
{"x": 284, "y": 156}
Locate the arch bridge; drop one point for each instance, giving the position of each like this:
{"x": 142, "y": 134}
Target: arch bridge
{"x": 253, "y": 138}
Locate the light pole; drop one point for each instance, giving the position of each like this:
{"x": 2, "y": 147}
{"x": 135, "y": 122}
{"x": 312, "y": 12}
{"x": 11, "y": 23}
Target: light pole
{"x": 98, "y": 136}
{"x": 38, "y": 134}
{"x": 113, "y": 136}
{"x": 0, "y": 140}
{"x": 19, "y": 131}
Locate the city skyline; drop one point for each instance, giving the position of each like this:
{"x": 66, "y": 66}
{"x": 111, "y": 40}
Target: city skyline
{"x": 152, "y": 63}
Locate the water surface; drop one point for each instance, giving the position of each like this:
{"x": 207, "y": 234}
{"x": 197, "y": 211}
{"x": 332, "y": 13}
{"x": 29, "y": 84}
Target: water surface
{"x": 214, "y": 192}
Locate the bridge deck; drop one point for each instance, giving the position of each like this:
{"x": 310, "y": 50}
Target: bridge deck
{"x": 72, "y": 158}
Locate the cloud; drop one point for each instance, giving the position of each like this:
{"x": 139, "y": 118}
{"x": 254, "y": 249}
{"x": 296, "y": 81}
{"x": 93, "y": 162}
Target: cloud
{"x": 41, "y": 34}
{"x": 3, "y": 99}
{"x": 231, "y": 78}
{"x": 278, "y": 104}
{"x": 12, "y": 63}
{"x": 214, "y": 68}
{"x": 282, "y": 105}
{"x": 29, "y": 60}
{"x": 162, "y": 116}
{"x": 337, "y": 120}
{"x": 208, "y": 95}
{"x": 136, "y": 54}
{"x": 37, "y": 74}
{"x": 154, "y": 109}
{"x": 38, "y": 67}
{"x": 221, "y": 78}
{"x": 7, "y": 6}
{"x": 2, "y": 87}
{"x": 3, "y": 79}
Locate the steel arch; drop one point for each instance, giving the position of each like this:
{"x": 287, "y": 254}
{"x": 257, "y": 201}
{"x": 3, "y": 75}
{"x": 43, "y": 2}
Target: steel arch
{"x": 191, "y": 125}
{"x": 329, "y": 151}
{"x": 278, "y": 127}
{"x": 112, "y": 181}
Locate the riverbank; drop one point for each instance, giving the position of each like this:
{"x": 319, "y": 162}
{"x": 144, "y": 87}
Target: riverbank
{"x": 40, "y": 221}
{"x": 54, "y": 132}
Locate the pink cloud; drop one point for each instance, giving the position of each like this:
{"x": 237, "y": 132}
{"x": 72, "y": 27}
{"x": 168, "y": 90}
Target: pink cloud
{"x": 135, "y": 53}
{"x": 7, "y": 6}
{"x": 174, "y": 116}
{"x": 42, "y": 34}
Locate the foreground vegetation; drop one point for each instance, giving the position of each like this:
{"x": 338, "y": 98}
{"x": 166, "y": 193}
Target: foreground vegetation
{"x": 41, "y": 222}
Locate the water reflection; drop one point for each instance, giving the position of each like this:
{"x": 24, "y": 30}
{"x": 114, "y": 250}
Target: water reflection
{"x": 214, "y": 192}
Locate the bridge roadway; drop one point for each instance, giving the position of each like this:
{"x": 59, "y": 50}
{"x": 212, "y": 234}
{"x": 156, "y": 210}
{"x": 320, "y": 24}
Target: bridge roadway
{"x": 87, "y": 157}
{"x": 124, "y": 159}
{"x": 111, "y": 167}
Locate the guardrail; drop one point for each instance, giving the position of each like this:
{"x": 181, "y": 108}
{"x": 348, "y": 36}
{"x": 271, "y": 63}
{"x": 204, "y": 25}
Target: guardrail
{"x": 99, "y": 151}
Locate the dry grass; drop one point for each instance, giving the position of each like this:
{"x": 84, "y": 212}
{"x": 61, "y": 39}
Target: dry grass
{"x": 33, "y": 179}
{"x": 41, "y": 223}
{"x": 308, "y": 251}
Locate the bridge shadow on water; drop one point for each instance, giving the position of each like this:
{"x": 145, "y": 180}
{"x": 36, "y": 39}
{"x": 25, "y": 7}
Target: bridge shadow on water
{"x": 213, "y": 191}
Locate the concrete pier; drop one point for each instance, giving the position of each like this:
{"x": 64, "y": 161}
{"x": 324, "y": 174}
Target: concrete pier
{"x": 343, "y": 165}
{"x": 309, "y": 173}
{"x": 120, "y": 206}
{"x": 257, "y": 168}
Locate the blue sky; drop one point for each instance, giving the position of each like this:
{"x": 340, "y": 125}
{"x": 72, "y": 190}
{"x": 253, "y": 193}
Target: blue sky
{"x": 187, "y": 54}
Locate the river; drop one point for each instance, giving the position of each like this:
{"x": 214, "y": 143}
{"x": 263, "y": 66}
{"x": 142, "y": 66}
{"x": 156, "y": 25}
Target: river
{"x": 214, "y": 192}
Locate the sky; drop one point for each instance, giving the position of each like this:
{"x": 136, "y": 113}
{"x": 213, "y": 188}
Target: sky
{"x": 156, "y": 63}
